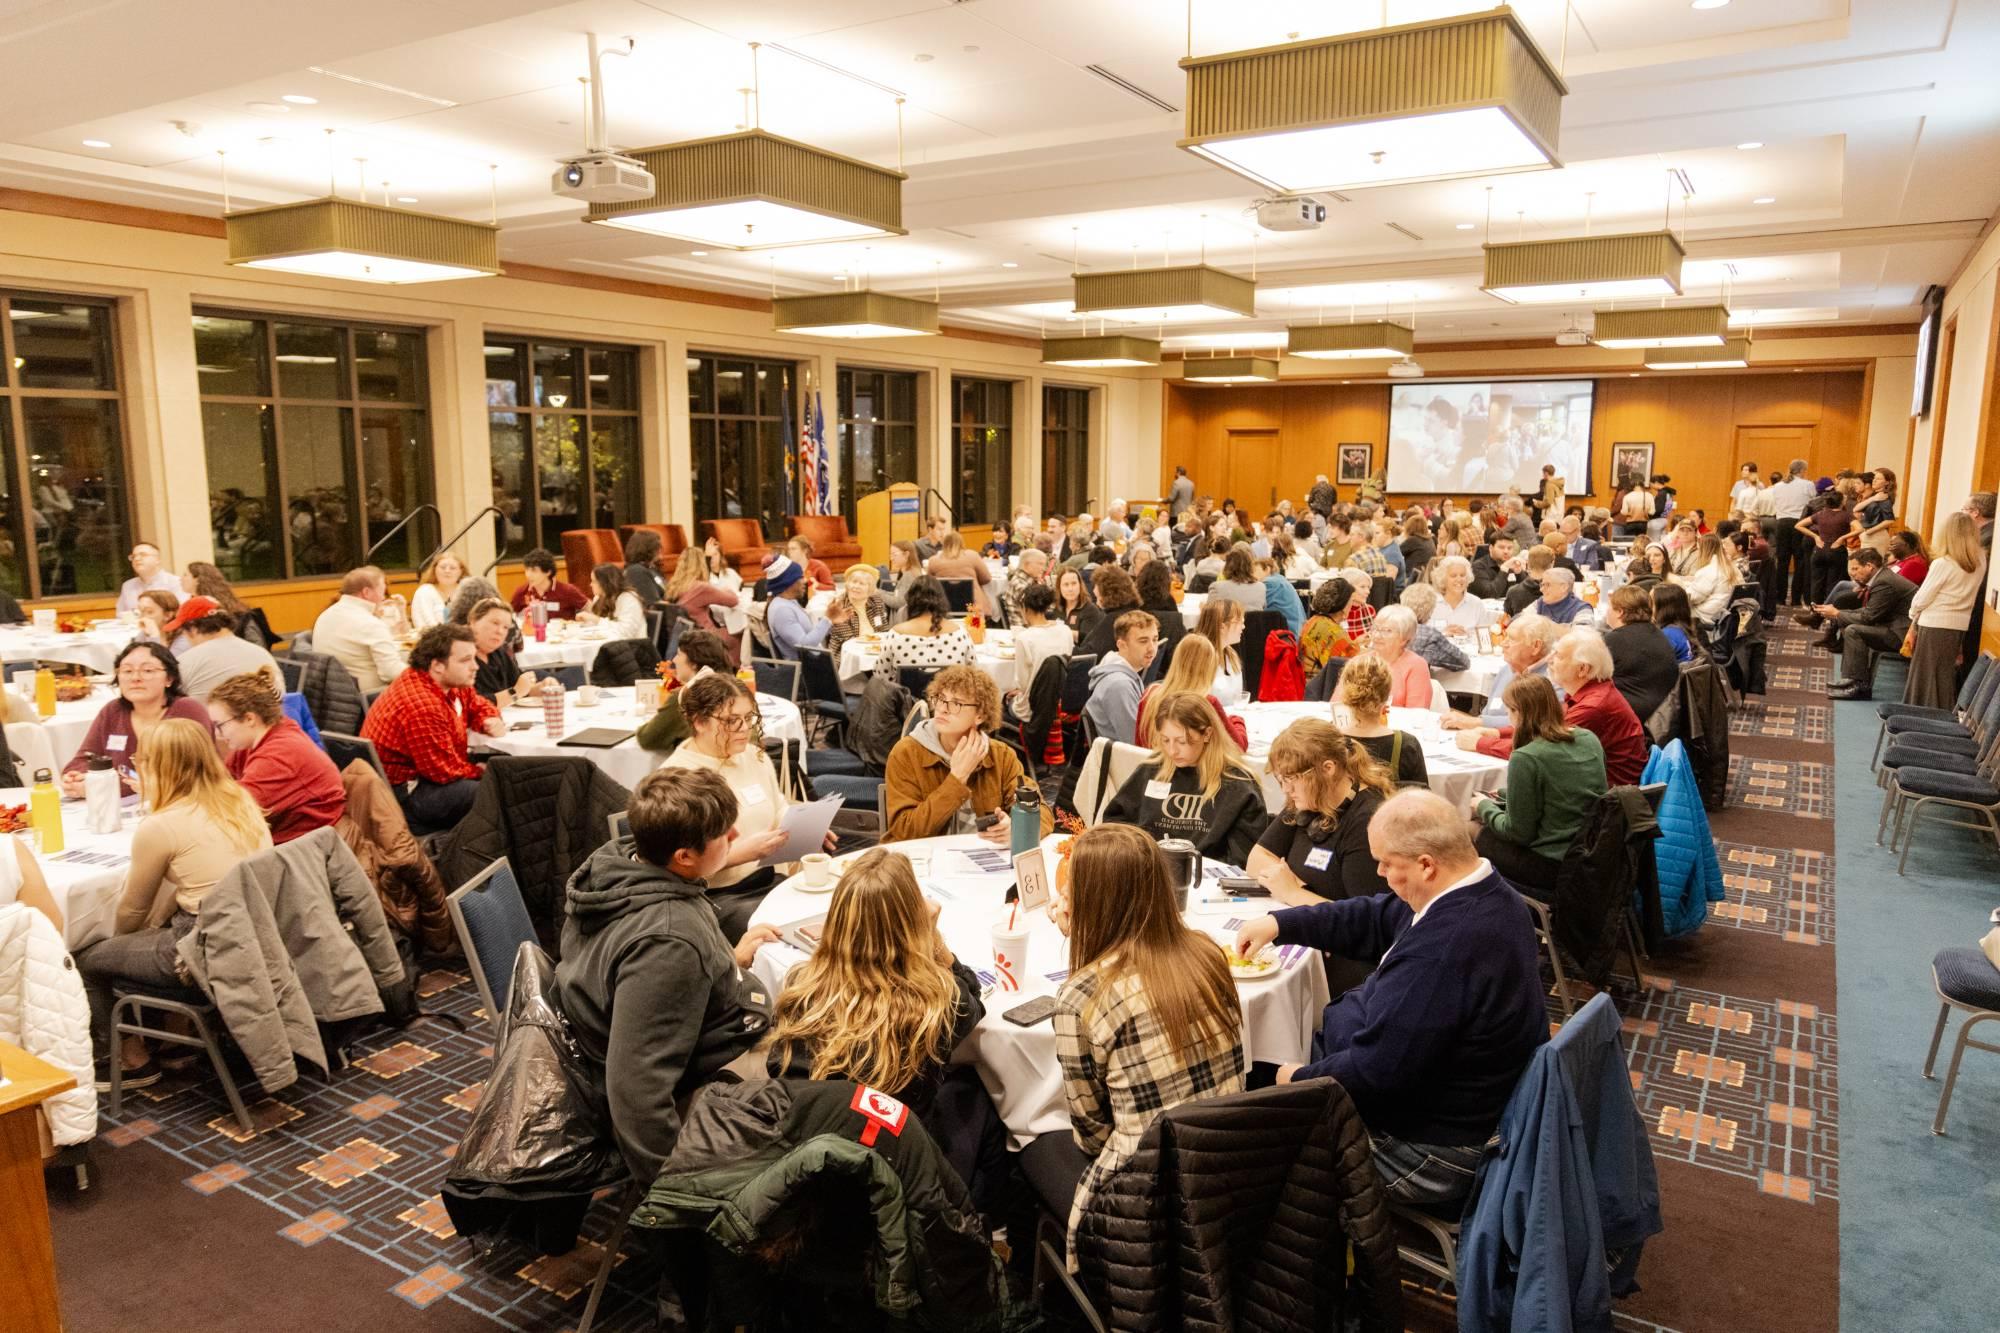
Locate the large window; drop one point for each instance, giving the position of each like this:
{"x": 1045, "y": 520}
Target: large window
{"x": 65, "y": 523}
{"x": 546, "y": 401}
{"x": 1065, "y": 450}
{"x": 743, "y": 424}
{"x": 878, "y": 433}
{"x": 982, "y": 450}
{"x": 319, "y": 443}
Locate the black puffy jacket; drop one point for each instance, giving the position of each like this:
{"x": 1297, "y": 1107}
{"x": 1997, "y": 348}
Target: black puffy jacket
{"x": 1598, "y": 882}
{"x": 1237, "y": 1212}
{"x": 787, "y": 1204}
{"x": 624, "y": 661}
{"x": 1697, "y": 714}
{"x": 546, "y": 816}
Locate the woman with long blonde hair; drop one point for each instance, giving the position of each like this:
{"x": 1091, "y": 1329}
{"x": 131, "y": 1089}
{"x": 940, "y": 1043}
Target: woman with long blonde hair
{"x": 1147, "y": 1020}
{"x": 1197, "y": 787}
{"x": 1940, "y": 614}
{"x": 882, "y": 1001}
{"x": 202, "y": 824}
{"x": 1191, "y": 670}
{"x": 1221, "y": 623}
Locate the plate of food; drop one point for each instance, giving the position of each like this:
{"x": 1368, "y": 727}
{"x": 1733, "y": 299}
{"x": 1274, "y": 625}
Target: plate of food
{"x": 14, "y": 819}
{"x": 1264, "y": 963}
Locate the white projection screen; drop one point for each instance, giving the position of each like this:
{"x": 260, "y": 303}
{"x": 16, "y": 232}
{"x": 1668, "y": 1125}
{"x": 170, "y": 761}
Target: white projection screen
{"x": 1480, "y": 438}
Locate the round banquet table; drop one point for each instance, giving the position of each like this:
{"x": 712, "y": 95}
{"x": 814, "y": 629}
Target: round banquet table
{"x": 625, "y": 762}
{"x": 1460, "y": 776}
{"x": 995, "y": 657}
{"x": 1477, "y": 678}
{"x": 568, "y": 644}
{"x": 87, "y": 876}
{"x": 96, "y": 649}
{"x": 1281, "y": 1010}
{"x": 65, "y": 731}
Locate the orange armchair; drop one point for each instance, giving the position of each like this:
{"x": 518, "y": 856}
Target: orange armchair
{"x": 673, "y": 541}
{"x": 584, "y": 549}
{"x": 831, "y": 540}
{"x": 743, "y": 544}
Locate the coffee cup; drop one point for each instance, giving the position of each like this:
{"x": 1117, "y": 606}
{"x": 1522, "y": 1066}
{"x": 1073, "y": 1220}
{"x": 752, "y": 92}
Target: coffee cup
{"x": 1010, "y": 955}
{"x": 816, "y": 868}
{"x": 586, "y": 696}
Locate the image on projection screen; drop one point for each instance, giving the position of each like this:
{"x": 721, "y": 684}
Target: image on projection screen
{"x": 1482, "y": 438}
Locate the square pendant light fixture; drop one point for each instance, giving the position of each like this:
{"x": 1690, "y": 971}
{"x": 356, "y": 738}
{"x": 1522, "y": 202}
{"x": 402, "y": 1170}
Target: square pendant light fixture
{"x": 1675, "y": 326}
{"x": 344, "y": 238}
{"x": 1350, "y": 342}
{"x": 1165, "y": 295}
{"x": 1100, "y": 349}
{"x": 1732, "y": 355}
{"x": 1230, "y": 370}
{"x": 755, "y": 191}
{"x": 855, "y": 315}
{"x": 1585, "y": 268}
{"x": 1469, "y": 95}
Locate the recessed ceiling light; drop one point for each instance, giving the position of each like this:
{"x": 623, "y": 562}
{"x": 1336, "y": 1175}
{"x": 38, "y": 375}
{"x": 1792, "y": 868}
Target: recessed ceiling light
{"x": 300, "y": 99}
{"x": 1708, "y": 4}
{"x": 406, "y": 199}
{"x": 96, "y": 143}
{"x": 924, "y": 57}
{"x": 1465, "y": 226}
{"x": 699, "y": 254}
{"x": 1754, "y": 143}
{"x": 1009, "y": 264}
{"x": 1765, "y": 199}
{"x": 269, "y": 108}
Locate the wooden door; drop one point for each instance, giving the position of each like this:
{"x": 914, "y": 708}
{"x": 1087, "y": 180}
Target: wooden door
{"x": 1252, "y": 470}
{"x": 1772, "y": 449}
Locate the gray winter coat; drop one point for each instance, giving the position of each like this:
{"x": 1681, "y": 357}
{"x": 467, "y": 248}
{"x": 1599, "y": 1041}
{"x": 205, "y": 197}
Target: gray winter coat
{"x": 310, "y": 945}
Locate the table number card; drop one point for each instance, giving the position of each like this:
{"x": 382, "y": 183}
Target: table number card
{"x": 1032, "y": 875}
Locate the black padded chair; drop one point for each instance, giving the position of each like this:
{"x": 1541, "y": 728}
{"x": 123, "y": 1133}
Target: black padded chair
{"x": 959, "y": 593}
{"x": 1257, "y": 626}
{"x": 776, "y": 677}
{"x": 819, "y": 682}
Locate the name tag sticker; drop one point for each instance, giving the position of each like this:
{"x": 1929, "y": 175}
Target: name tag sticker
{"x": 754, "y": 794}
{"x": 1156, "y": 790}
{"x": 1319, "y": 858}
{"x": 118, "y": 742}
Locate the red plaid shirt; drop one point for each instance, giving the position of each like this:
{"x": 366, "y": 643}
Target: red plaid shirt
{"x": 420, "y": 729}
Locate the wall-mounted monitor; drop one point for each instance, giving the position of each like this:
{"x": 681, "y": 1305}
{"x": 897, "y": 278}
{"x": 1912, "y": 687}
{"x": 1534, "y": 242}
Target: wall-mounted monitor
{"x": 1927, "y": 341}
{"x": 1482, "y": 437}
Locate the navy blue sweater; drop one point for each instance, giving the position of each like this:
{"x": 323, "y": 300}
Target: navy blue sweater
{"x": 1431, "y": 1045}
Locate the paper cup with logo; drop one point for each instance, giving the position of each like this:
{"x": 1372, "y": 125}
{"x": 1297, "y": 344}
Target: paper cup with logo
{"x": 1010, "y": 954}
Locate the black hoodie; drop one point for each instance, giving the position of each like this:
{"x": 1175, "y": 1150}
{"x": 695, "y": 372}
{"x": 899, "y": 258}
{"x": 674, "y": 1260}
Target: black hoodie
{"x": 652, "y": 992}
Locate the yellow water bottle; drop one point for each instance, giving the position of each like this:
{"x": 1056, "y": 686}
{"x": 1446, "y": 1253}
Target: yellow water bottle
{"x": 45, "y": 692}
{"x": 45, "y": 812}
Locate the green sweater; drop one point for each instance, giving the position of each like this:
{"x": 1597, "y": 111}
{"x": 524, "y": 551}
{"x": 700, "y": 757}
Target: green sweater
{"x": 1551, "y": 787}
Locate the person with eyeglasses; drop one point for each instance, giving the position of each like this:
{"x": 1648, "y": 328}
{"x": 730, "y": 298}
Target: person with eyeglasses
{"x": 722, "y": 716}
{"x": 946, "y": 776}
{"x": 149, "y": 692}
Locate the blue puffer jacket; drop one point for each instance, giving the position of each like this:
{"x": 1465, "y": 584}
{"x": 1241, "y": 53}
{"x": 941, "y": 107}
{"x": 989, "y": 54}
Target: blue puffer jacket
{"x": 1690, "y": 876}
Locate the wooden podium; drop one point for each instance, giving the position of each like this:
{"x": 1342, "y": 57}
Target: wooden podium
{"x": 27, "y": 1256}
{"x": 885, "y": 516}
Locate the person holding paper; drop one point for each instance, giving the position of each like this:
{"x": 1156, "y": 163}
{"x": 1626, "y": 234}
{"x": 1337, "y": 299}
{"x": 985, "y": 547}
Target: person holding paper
{"x": 722, "y": 713}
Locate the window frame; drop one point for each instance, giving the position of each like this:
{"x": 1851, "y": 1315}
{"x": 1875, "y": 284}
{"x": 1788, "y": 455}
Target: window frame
{"x": 354, "y": 406}
{"x": 527, "y": 408}
{"x": 1073, "y": 434}
{"x": 788, "y": 442}
{"x": 12, "y": 398}
{"x": 845, "y": 422}
{"x": 960, "y": 427}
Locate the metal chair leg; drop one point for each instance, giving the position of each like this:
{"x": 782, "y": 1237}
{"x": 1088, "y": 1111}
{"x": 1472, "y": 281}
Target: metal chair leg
{"x": 626, "y": 1204}
{"x": 1937, "y": 1036}
{"x": 222, "y": 1073}
{"x": 1950, "y": 1079}
{"x": 1547, "y": 932}
{"x": 1051, "y": 1256}
{"x": 1888, "y": 799}
{"x": 1916, "y": 809}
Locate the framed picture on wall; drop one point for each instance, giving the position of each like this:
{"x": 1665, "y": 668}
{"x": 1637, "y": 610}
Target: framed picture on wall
{"x": 1631, "y": 463}
{"x": 1356, "y": 463}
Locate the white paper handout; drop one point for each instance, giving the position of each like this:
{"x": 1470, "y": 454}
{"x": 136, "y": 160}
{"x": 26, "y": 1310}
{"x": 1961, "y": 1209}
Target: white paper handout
{"x": 805, "y": 829}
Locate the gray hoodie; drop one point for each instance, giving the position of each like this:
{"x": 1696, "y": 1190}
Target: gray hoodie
{"x": 1113, "y": 706}
{"x": 651, "y": 990}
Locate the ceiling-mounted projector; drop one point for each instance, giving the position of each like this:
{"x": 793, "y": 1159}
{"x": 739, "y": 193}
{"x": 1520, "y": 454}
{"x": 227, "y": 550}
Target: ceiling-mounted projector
{"x": 1290, "y": 212}
{"x": 1573, "y": 336}
{"x": 602, "y": 178}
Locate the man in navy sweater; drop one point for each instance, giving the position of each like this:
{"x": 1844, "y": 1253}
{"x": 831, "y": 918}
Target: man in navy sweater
{"x": 1431, "y": 1045}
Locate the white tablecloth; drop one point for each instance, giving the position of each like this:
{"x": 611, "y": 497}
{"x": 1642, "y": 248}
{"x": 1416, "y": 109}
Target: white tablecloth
{"x": 577, "y": 646}
{"x": 1477, "y": 678}
{"x": 1455, "y": 774}
{"x": 95, "y": 649}
{"x": 625, "y": 762}
{"x": 1017, "y": 1064}
{"x": 86, "y": 892}
{"x": 995, "y": 657}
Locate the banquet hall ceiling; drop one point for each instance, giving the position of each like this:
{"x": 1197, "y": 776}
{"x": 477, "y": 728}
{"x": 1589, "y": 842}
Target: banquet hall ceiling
{"x": 1875, "y": 125}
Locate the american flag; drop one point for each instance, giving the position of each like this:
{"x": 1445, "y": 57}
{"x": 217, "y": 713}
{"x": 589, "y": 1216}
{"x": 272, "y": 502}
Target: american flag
{"x": 814, "y": 483}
